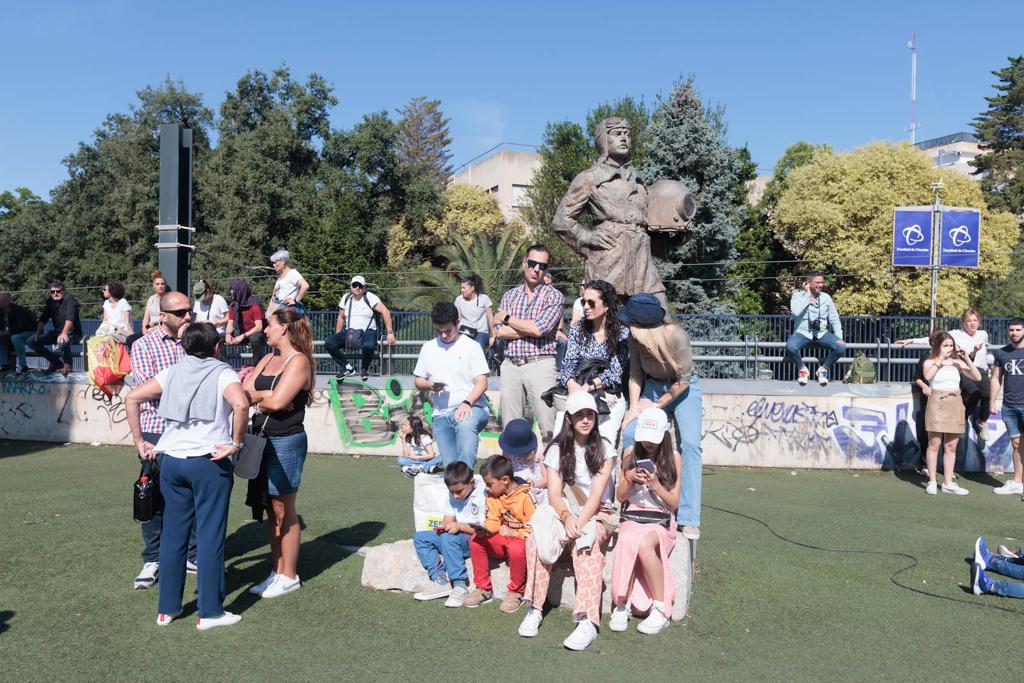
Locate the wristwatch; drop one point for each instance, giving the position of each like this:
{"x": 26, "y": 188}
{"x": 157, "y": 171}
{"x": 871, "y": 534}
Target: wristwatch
{"x": 504, "y": 321}
{"x": 238, "y": 444}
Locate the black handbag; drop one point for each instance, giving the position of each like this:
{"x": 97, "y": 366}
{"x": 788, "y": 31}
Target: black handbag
{"x": 495, "y": 353}
{"x": 146, "y": 498}
{"x": 468, "y": 331}
{"x": 354, "y": 338}
{"x": 646, "y": 516}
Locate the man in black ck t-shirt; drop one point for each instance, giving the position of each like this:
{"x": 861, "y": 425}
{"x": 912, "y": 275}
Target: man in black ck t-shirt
{"x": 62, "y": 310}
{"x": 1009, "y": 371}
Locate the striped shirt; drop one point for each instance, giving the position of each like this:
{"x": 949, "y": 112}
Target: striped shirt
{"x": 154, "y": 351}
{"x": 545, "y": 309}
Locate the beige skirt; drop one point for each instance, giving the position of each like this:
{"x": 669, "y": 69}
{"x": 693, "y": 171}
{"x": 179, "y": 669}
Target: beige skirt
{"x": 945, "y": 413}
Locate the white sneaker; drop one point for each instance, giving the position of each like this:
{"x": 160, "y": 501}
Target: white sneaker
{"x": 1009, "y": 488}
{"x": 148, "y": 576}
{"x": 932, "y": 488}
{"x": 531, "y": 623}
{"x": 690, "y": 532}
{"x": 655, "y": 622}
{"x": 164, "y": 619}
{"x": 582, "y": 637}
{"x": 281, "y": 585}
{"x": 226, "y": 619}
{"x": 457, "y": 596}
{"x": 191, "y": 567}
{"x": 823, "y": 377}
{"x": 1007, "y": 553}
{"x": 433, "y": 592}
{"x": 954, "y": 488}
{"x": 619, "y": 620}
{"x": 802, "y": 376}
{"x": 264, "y": 584}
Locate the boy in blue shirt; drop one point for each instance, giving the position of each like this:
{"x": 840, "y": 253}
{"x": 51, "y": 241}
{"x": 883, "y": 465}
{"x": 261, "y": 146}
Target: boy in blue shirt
{"x": 466, "y": 508}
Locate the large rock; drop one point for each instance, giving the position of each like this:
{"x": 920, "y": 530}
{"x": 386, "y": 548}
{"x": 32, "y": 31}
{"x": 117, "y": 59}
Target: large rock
{"x": 395, "y": 567}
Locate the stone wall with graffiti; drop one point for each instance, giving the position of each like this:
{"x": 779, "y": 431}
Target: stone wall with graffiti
{"x": 841, "y": 430}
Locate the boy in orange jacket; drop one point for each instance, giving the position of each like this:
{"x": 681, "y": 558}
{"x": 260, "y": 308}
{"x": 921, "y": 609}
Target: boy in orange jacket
{"x": 509, "y": 509}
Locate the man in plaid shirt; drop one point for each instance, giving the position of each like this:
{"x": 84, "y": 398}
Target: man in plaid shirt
{"x": 528, "y": 319}
{"x": 157, "y": 350}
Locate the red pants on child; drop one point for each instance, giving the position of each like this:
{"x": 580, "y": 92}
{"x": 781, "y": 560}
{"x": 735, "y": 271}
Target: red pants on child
{"x": 511, "y": 549}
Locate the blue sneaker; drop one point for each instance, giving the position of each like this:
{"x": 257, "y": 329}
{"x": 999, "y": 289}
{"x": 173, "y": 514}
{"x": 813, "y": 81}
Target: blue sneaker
{"x": 980, "y": 583}
{"x": 982, "y": 555}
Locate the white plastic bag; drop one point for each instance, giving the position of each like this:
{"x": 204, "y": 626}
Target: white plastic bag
{"x": 428, "y": 501}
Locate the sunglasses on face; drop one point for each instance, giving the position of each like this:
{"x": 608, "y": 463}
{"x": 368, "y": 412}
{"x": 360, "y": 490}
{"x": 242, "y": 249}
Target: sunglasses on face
{"x": 591, "y": 303}
{"x": 178, "y": 312}
{"x": 56, "y": 291}
{"x": 539, "y": 265}
{"x": 356, "y": 285}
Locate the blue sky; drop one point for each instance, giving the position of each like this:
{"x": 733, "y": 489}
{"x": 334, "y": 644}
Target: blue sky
{"x": 785, "y": 71}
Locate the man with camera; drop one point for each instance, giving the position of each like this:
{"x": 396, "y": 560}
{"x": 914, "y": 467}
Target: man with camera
{"x": 814, "y": 313}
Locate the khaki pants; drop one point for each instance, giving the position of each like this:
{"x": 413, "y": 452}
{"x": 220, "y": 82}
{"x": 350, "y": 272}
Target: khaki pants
{"x": 531, "y": 379}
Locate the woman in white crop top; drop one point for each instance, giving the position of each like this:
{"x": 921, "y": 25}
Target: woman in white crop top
{"x": 944, "y": 416}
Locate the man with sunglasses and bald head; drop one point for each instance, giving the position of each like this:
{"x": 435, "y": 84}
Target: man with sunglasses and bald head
{"x": 157, "y": 350}
{"x": 528, "y": 320}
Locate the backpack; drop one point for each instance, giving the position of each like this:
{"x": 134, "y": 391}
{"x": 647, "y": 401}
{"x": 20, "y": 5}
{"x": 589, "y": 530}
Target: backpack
{"x": 862, "y": 370}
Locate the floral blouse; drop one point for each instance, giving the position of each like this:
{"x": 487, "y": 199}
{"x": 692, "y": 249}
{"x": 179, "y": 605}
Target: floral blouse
{"x": 583, "y": 347}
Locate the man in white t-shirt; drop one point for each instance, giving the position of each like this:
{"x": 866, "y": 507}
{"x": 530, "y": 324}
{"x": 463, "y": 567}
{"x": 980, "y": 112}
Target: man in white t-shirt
{"x": 454, "y": 368}
{"x": 356, "y": 314}
{"x": 209, "y": 307}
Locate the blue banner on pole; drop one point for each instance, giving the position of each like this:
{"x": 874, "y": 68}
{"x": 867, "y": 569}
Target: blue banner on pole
{"x": 961, "y": 232}
{"x": 912, "y": 237}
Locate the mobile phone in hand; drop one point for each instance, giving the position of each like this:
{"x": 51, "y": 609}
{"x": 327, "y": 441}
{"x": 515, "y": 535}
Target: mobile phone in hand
{"x": 646, "y": 464}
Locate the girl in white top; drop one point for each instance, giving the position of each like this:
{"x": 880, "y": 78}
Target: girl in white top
{"x": 418, "y": 452}
{"x": 151, "y": 318}
{"x": 944, "y": 415}
{"x": 578, "y": 458}
{"x": 649, "y": 485}
{"x": 476, "y": 311}
{"x": 116, "y": 309}
{"x": 290, "y": 286}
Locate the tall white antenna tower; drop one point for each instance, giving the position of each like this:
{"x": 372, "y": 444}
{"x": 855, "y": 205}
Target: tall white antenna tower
{"x": 912, "y": 44}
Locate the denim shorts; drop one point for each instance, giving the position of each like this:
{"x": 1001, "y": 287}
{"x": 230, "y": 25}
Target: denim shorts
{"x": 283, "y": 460}
{"x": 1014, "y": 419}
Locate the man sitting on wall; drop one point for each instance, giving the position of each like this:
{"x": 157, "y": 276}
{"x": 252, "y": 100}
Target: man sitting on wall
{"x": 814, "y": 313}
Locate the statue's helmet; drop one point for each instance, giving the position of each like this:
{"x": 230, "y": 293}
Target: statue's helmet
{"x": 606, "y": 126}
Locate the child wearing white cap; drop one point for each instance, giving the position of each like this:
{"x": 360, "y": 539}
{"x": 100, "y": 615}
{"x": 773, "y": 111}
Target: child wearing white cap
{"x": 649, "y": 493}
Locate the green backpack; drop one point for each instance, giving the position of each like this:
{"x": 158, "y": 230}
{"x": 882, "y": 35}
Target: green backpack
{"x": 862, "y": 370}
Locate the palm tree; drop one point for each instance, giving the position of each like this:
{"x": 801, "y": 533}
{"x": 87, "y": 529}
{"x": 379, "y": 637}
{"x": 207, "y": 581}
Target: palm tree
{"x": 495, "y": 260}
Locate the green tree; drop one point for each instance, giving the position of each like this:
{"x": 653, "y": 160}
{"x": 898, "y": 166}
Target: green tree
{"x": 494, "y": 258}
{"x": 686, "y": 142}
{"x": 1000, "y": 131}
{"x": 259, "y": 191}
{"x": 424, "y": 141}
{"x": 836, "y": 214}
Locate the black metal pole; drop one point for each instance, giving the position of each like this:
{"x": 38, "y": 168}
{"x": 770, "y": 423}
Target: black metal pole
{"x": 175, "y": 228}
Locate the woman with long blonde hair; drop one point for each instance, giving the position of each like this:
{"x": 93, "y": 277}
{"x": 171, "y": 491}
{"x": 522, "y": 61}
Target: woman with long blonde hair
{"x": 661, "y": 375}
{"x": 281, "y": 387}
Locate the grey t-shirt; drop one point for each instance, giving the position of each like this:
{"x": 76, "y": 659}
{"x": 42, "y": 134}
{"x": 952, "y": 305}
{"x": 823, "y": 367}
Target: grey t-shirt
{"x": 474, "y": 313}
{"x": 1011, "y": 362}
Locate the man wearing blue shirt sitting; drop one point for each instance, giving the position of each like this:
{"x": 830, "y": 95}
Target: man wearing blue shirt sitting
{"x": 814, "y": 313}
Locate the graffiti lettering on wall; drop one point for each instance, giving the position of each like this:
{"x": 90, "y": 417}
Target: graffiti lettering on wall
{"x": 809, "y": 430}
{"x": 23, "y": 388}
{"x": 14, "y": 414}
{"x": 368, "y": 417}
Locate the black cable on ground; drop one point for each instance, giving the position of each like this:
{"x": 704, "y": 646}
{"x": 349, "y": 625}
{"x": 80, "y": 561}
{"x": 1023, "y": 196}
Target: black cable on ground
{"x": 892, "y": 577}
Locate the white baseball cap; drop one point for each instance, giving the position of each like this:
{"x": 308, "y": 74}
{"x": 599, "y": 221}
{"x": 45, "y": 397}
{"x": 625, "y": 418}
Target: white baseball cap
{"x": 358, "y": 278}
{"x": 580, "y": 400}
{"x": 651, "y": 425}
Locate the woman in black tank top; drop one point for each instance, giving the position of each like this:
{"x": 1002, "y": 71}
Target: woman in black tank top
{"x": 280, "y": 389}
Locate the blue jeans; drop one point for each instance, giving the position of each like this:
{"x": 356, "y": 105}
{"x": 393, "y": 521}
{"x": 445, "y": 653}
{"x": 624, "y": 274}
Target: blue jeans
{"x": 458, "y": 440}
{"x": 453, "y": 549}
{"x": 151, "y": 529}
{"x": 796, "y": 343}
{"x": 1013, "y": 569}
{"x": 335, "y": 345}
{"x": 17, "y": 340}
{"x": 686, "y": 412}
{"x": 1013, "y": 418}
{"x": 63, "y": 353}
{"x": 436, "y": 461}
{"x": 195, "y": 490}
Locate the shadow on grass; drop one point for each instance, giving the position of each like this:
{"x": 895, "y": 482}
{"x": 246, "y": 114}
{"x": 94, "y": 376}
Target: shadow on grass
{"x": 315, "y": 556}
{"x": 5, "y": 617}
{"x": 920, "y": 481}
{"x": 10, "y": 448}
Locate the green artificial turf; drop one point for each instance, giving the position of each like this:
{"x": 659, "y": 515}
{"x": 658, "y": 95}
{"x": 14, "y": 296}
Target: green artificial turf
{"x": 761, "y": 608}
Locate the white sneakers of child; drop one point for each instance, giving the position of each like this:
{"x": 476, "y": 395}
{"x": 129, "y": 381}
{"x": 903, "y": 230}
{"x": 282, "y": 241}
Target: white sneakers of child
{"x": 655, "y": 622}
{"x": 581, "y": 638}
{"x": 619, "y": 621}
{"x": 531, "y": 623}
